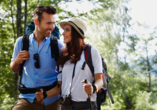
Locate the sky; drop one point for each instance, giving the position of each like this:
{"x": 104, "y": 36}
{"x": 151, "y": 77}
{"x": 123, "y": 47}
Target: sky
{"x": 144, "y": 11}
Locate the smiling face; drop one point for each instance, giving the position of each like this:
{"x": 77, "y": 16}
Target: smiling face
{"x": 67, "y": 33}
{"x": 47, "y": 24}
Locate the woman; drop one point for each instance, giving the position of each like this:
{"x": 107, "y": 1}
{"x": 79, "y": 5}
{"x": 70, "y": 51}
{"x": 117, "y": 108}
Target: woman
{"x": 71, "y": 76}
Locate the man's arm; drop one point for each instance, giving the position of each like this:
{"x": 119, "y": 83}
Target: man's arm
{"x": 15, "y": 64}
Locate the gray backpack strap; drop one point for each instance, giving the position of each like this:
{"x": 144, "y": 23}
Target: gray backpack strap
{"x": 109, "y": 93}
{"x": 106, "y": 79}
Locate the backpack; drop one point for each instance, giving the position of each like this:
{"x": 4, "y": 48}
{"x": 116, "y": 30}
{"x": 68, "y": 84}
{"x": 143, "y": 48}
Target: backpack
{"x": 54, "y": 54}
{"x": 101, "y": 95}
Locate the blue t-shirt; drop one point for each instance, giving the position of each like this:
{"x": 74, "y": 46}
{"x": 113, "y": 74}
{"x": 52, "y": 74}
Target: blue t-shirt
{"x": 44, "y": 76}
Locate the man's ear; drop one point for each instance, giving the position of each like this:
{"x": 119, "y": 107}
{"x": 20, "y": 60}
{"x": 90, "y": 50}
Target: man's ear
{"x": 36, "y": 22}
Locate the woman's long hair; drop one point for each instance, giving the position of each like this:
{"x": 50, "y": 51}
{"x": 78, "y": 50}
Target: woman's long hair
{"x": 73, "y": 49}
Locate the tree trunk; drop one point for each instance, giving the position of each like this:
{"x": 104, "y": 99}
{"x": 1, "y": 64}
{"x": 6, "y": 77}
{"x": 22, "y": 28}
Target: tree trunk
{"x": 25, "y": 25}
{"x": 18, "y": 18}
{"x": 127, "y": 98}
{"x": 18, "y": 22}
{"x": 11, "y": 3}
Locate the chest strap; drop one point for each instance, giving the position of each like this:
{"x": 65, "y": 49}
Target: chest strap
{"x": 25, "y": 90}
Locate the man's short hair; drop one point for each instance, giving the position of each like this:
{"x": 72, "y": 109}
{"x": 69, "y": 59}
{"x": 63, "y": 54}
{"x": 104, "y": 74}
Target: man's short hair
{"x": 40, "y": 9}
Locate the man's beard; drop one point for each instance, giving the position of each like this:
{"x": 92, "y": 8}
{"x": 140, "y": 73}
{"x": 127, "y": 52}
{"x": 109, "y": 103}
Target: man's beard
{"x": 41, "y": 31}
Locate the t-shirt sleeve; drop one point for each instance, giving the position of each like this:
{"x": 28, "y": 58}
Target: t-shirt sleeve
{"x": 96, "y": 60}
{"x": 17, "y": 48}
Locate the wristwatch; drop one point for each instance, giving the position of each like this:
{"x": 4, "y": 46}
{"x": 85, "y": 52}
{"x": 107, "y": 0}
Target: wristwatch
{"x": 95, "y": 88}
{"x": 44, "y": 94}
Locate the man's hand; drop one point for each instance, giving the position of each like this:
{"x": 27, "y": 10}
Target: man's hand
{"x": 22, "y": 55}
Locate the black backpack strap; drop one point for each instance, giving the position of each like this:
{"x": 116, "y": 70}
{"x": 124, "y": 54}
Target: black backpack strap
{"x": 54, "y": 47}
{"x": 25, "y": 46}
{"x": 25, "y": 90}
{"x": 54, "y": 51}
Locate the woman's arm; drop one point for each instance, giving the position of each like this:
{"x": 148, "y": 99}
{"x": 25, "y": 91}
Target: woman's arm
{"x": 98, "y": 80}
{"x": 51, "y": 93}
{"x": 55, "y": 91}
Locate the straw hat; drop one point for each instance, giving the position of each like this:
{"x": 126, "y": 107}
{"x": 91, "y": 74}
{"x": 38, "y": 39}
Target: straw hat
{"x": 78, "y": 24}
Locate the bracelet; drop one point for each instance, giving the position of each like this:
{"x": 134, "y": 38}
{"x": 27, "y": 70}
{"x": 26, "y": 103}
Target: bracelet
{"x": 94, "y": 88}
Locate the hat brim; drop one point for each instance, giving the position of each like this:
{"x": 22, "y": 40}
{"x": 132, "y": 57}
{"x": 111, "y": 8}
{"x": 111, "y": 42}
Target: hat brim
{"x": 65, "y": 22}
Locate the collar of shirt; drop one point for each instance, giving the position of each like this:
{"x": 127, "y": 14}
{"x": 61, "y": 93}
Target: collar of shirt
{"x": 33, "y": 41}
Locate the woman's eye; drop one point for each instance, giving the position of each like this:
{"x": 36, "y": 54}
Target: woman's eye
{"x": 67, "y": 29}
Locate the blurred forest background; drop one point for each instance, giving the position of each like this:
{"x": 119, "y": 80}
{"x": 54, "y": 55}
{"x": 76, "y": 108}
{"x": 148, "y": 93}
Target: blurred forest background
{"x": 128, "y": 52}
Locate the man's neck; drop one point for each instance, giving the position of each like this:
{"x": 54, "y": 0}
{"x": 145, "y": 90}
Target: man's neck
{"x": 38, "y": 37}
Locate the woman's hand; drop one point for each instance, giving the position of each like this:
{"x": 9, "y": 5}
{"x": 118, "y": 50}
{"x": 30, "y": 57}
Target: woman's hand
{"x": 39, "y": 95}
{"x": 88, "y": 88}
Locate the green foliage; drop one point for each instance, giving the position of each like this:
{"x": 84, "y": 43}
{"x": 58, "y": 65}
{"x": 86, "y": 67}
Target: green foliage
{"x": 7, "y": 103}
{"x": 146, "y": 101}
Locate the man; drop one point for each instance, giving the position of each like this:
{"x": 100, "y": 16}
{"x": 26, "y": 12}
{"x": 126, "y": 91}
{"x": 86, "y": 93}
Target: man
{"x": 40, "y": 68}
